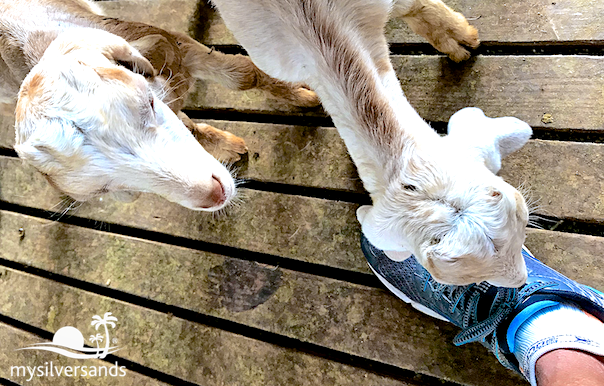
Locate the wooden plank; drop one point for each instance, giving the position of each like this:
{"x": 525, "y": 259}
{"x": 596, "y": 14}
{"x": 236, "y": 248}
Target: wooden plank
{"x": 497, "y": 21}
{"x": 13, "y": 339}
{"x": 193, "y": 352}
{"x": 502, "y": 21}
{"x": 7, "y": 132}
{"x": 569, "y": 88}
{"x": 567, "y": 178}
{"x": 310, "y": 308}
{"x": 171, "y": 15}
{"x": 354, "y": 319}
{"x": 576, "y": 256}
{"x": 291, "y": 226}
{"x": 307, "y": 229}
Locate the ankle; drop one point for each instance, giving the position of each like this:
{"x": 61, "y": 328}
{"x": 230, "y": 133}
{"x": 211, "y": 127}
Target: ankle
{"x": 566, "y": 367}
{"x": 557, "y": 327}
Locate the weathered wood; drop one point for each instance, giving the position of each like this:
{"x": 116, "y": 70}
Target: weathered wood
{"x": 577, "y": 256}
{"x": 290, "y": 226}
{"x": 569, "y": 88}
{"x": 566, "y": 178}
{"x": 7, "y": 132}
{"x": 171, "y": 15}
{"x": 13, "y": 339}
{"x": 354, "y": 319}
{"x": 541, "y": 21}
{"x": 190, "y": 351}
{"x": 302, "y": 228}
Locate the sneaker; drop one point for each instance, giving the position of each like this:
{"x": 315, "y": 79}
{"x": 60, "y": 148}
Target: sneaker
{"x": 482, "y": 311}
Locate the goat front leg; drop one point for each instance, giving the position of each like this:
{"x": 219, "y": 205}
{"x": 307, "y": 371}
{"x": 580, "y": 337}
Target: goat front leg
{"x": 237, "y": 72}
{"x": 222, "y": 145}
{"x": 448, "y": 31}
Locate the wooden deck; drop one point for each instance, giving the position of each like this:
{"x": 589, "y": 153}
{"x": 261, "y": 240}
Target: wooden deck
{"x": 277, "y": 291}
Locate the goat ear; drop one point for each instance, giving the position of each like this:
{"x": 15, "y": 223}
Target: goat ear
{"x": 362, "y": 213}
{"x": 111, "y": 46}
{"x": 438, "y": 264}
{"x": 156, "y": 48}
{"x": 451, "y": 269}
{"x": 130, "y": 58}
{"x": 491, "y": 139}
{"x": 521, "y": 208}
{"x": 40, "y": 156}
{"x": 48, "y": 142}
{"x": 512, "y": 134}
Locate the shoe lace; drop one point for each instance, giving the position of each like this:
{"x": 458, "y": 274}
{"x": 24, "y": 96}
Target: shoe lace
{"x": 466, "y": 298}
{"x": 506, "y": 300}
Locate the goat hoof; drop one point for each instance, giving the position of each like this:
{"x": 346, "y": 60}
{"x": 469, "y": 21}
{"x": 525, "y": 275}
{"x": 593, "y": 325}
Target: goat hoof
{"x": 305, "y": 97}
{"x": 448, "y": 31}
{"x": 230, "y": 148}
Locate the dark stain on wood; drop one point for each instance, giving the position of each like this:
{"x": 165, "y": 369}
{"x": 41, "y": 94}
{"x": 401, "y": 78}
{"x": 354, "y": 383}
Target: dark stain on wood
{"x": 241, "y": 285}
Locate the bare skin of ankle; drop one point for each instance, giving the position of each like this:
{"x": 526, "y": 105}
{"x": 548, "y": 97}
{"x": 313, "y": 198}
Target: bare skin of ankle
{"x": 570, "y": 368}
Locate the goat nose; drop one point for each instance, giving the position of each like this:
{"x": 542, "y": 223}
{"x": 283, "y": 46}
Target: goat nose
{"x": 217, "y": 195}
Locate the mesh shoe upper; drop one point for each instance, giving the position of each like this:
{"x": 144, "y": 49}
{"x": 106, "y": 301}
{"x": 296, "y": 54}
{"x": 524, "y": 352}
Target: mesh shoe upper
{"x": 482, "y": 311}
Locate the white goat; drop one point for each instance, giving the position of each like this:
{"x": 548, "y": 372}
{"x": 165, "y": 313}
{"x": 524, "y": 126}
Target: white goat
{"x": 98, "y": 97}
{"x": 431, "y": 196}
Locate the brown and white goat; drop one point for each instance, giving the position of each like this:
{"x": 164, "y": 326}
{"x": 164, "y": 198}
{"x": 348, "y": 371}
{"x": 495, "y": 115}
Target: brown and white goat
{"x": 430, "y": 197}
{"x": 96, "y": 102}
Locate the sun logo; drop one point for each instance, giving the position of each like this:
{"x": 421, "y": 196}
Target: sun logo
{"x": 69, "y": 341}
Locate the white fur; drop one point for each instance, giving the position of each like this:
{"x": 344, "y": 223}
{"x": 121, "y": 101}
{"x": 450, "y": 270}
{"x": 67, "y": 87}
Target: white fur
{"x": 94, "y": 127}
{"x": 488, "y": 140}
{"x": 430, "y": 197}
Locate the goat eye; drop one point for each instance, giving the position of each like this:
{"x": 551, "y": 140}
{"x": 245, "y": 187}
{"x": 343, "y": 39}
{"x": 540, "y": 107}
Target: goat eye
{"x": 411, "y": 188}
{"x": 435, "y": 241}
{"x": 132, "y": 66}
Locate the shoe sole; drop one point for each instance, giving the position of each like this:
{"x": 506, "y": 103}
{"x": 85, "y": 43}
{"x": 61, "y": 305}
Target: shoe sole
{"x": 418, "y": 306}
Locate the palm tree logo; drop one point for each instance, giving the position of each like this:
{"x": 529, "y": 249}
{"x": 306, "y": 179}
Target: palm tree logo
{"x": 106, "y": 320}
{"x": 96, "y": 338}
{"x": 69, "y": 341}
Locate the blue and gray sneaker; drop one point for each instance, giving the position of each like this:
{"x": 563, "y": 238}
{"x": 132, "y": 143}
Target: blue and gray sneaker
{"x": 485, "y": 313}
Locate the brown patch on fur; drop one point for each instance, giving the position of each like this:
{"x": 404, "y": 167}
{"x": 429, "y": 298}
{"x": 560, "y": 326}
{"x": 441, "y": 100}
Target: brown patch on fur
{"x": 20, "y": 111}
{"x": 163, "y": 51}
{"x": 33, "y": 86}
{"x": 108, "y": 73}
{"x": 372, "y": 109}
{"x": 383, "y": 65}
{"x": 28, "y": 90}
